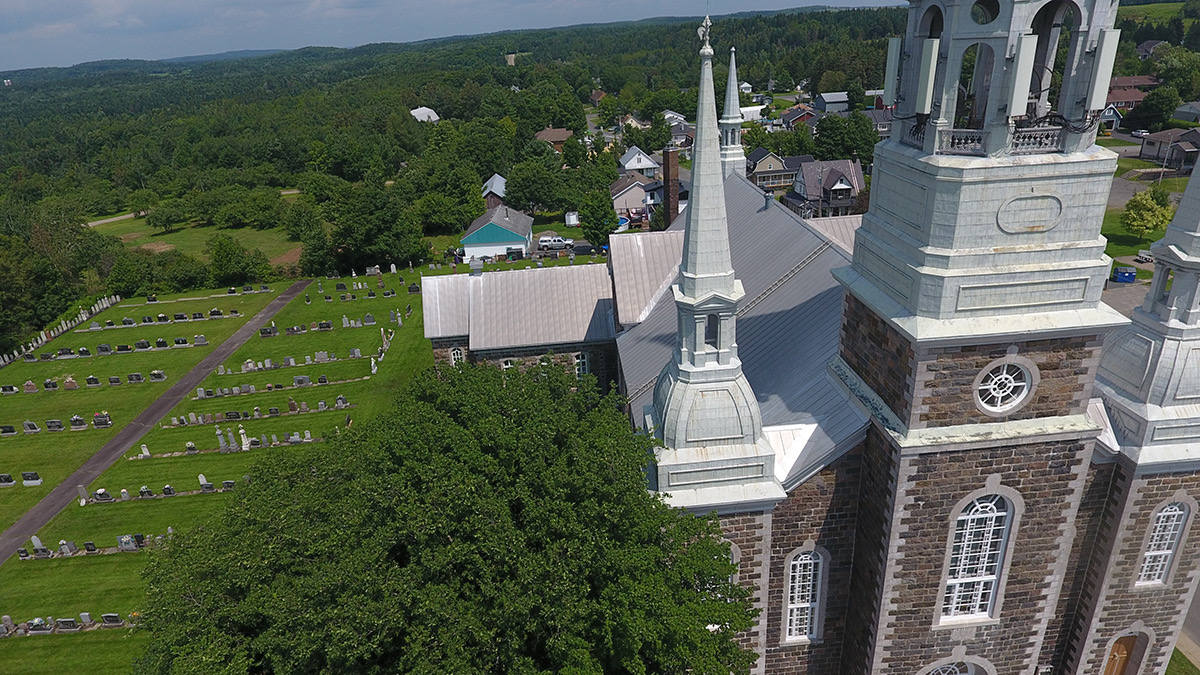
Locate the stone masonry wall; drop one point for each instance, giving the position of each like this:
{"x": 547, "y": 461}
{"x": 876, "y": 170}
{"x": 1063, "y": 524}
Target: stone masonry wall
{"x": 1049, "y": 477}
{"x": 602, "y": 357}
{"x": 877, "y": 490}
{"x": 1157, "y": 610}
{"x": 822, "y": 510}
{"x": 751, "y": 534}
{"x": 945, "y": 380}
{"x": 1084, "y": 565}
{"x": 879, "y": 354}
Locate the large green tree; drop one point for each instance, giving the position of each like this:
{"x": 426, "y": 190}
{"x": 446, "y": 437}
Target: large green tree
{"x": 1144, "y": 214}
{"x": 597, "y": 218}
{"x": 491, "y": 522}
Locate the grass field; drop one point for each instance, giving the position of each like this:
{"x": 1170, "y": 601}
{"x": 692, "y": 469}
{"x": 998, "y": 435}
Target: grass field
{"x": 102, "y": 651}
{"x": 1125, "y": 164}
{"x": 1180, "y": 665}
{"x": 191, "y": 239}
{"x": 1121, "y": 242}
{"x": 1160, "y": 11}
{"x": 1114, "y": 142}
{"x": 52, "y": 587}
{"x": 56, "y": 455}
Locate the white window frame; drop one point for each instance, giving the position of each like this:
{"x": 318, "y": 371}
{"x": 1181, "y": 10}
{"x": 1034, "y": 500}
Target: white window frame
{"x": 1162, "y": 543}
{"x": 582, "y": 367}
{"x": 977, "y": 557}
{"x": 507, "y": 364}
{"x": 806, "y": 575}
{"x": 456, "y": 356}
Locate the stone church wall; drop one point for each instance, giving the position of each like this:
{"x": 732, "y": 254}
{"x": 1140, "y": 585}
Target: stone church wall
{"x": 750, "y": 534}
{"x": 602, "y": 357}
{"x": 881, "y": 356}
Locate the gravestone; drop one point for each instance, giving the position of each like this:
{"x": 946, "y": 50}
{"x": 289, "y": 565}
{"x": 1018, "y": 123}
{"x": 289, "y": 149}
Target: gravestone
{"x": 29, "y": 358}
{"x": 307, "y": 436}
{"x": 145, "y": 492}
{"x": 180, "y": 317}
{"x": 127, "y": 321}
{"x": 232, "y": 415}
{"x": 31, "y": 427}
{"x": 274, "y": 439}
{"x": 124, "y": 495}
{"x": 215, "y": 312}
{"x": 220, "y": 417}
{"x": 6, "y": 480}
{"x": 153, "y": 297}
{"x": 93, "y": 381}
{"x": 67, "y": 626}
{"x": 370, "y": 294}
{"x": 50, "y": 385}
{"x": 324, "y": 325}
{"x": 340, "y": 287}
{"x": 168, "y": 491}
{"x": 321, "y": 407}
{"x": 227, "y": 485}
{"x": 369, "y": 320}
{"x": 101, "y": 420}
{"x": 8, "y": 389}
{"x": 114, "y": 381}
{"x": 345, "y": 321}
{"x": 157, "y": 376}
{"x": 95, "y": 326}
{"x": 89, "y": 547}
{"x": 70, "y": 384}
{"x": 125, "y": 544}
{"x": 321, "y": 357}
{"x": 269, "y": 364}
{"x": 162, "y": 318}
{"x": 268, "y": 331}
{"x": 292, "y": 407}
{"x": 289, "y": 361}
{"x": 308, "y": 360}
{"x": 200, "y": 392}
{"x": 414, "y": 289}
{"x": 7, "y": 430}
{"x": 221, "y": 440}
{"x": 198, "y": 316}
{"x": 355, "y": 353}
{"x": 30, "y": 387}
{"x": 199, "y": 341}
{"x": 301, "y": 381}
{"x": 160, "y": 343}
{"x": 141, "y": 345}
{"x": 108, "y": 323}
{"x": 190, "y": 449}
{"x": 191, "y": 418}
{"x": 78, "y": 423}
{"x": 83, "y": 352}
{"x": 124, "y": 349}
{"x": 328, "y": 298}
{"x": 111, "y": 620}
{"x": 322, "y": 380}
{"x": 272, "y": 411}
{"x": 30, "y": 479}
{"x": 303, "y": 406}
{"x": 207, "y": 487}
{"x": 181, "y": 342}
{"x": 175, "y": 421}
{"x": 102, "y": 496}
{"x": 147, "y": 320}
{"x": 340, "y": 402}
{"x": 103, "y": 350}
{"x": 136, "y": 378}
{"x": 54, "y": 425}
{"x": 66, "y": 353}
{"x": 307, "y": 300}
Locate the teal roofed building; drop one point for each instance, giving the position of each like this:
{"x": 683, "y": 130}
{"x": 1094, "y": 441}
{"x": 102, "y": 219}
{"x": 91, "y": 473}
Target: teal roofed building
{"x": 497, "y": 232}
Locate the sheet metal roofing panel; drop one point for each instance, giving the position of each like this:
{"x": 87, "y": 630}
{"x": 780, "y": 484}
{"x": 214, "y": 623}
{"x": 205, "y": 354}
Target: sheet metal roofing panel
{"x": 546, "y": 306}
{"x": 643, "y": 264}
{"x": 838, "y": 229}
{"x": 786, "y": 337}
{"x": 446, "y": 304}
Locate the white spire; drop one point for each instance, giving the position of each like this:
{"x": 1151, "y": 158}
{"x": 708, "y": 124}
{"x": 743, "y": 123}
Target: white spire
{"x": 706, "y": 267}
{"x": 733, "y": 155}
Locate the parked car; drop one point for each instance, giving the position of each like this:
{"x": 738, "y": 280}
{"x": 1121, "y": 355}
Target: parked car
{"x": 555, "y": 243}
{"x": 1140, "y": 133}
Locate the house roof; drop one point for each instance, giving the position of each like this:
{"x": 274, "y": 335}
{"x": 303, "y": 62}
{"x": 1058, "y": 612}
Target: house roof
{"x": 1127, "y": 94}
{"x": 628, "y": 182}
{"x": 826, "y": 174}
{"x": 519, "y": 224}
{"x": 1147, "y": 48}
{"x": 792, "y": 114}
{"x": 834, "y": 97}
{"x": 757, "y": 155}
{"x": 1171, "y": 135}
{"x": 643, "y": 264}
{"x": 541, "y": 306}
{"x": 553, "y": 135}
{"x": 424, "y": 114}
{"x": 788, "y": 327}
{"x": 1122, "y": 81}
{"x": 495, "y": 185}
{"x": 636, "y": 158}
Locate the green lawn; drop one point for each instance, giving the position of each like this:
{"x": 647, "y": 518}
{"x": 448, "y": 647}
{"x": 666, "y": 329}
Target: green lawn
{"x": 56, "y": 455}
{"x": 1160, "y": 11}
{"x": 191, "y": 239}
{"x": 1180, "y": 665}
{"x": 103, "y": 523}
{"x": 1121, "y": 242}
{"x": 102, "y": 652}
{"x": 1125, "y": 164}
{"x": 1114, "y": 142}
{"x": 64, "y": 587}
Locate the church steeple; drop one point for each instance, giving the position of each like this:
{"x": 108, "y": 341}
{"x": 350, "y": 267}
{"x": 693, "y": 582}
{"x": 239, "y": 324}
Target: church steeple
{"x": 733, "y": 155}
{"x": 1150, "y": 372}
{"x": 706, "y": 414}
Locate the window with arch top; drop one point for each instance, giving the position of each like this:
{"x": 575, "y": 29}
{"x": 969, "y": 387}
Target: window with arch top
{"x": 804, "y": 595}
{"x": 978, "y": 545}
{"x": 1165, "y": 534}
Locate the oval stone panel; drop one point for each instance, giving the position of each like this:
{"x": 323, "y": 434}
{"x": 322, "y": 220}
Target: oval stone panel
{"x": 1029, "y": 213}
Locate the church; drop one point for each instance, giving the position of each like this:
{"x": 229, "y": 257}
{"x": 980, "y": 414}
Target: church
{"x": 933, "y": 448}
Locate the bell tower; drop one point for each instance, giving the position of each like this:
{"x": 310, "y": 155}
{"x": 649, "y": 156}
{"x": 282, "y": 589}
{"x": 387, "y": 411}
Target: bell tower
{"x": 972, "y": 330}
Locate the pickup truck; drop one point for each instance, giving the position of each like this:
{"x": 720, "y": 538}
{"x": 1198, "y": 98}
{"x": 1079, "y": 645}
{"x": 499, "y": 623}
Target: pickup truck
{"x": 555, "y": 244}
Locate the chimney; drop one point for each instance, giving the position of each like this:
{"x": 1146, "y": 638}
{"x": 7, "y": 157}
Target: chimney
{"x": 671, "y": 183}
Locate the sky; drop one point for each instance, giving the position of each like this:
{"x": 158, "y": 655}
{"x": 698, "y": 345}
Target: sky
{"x": 38, "y": 33}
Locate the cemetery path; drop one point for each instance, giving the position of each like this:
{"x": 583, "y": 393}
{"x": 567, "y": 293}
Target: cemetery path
{"x": 66, "y": 492}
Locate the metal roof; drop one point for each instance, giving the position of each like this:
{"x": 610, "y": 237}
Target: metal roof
{"x": 506, "y": 217}
{"x": 838, "y": 229}
{"x": 495, "y": 185}
{"x": 446, "y": 305}
{"x": 643, "y": 266}
{"x": 541, "y": 307}
{"x": 788, "y": 325}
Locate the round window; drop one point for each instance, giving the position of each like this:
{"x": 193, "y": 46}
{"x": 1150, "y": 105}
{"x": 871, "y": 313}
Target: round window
{"x": 1003, "y": 387}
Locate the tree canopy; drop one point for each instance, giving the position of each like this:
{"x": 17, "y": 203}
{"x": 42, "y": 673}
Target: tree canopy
{"x": 1145, "y": 214}
{"x": 492, "y": 522}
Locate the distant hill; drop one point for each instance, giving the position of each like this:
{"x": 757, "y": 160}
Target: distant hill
{"x": 223, "y": 56}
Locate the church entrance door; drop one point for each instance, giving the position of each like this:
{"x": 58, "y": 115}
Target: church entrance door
{"x": 1119, "y": 657}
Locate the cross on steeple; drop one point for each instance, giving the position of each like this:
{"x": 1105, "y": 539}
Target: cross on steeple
{"x": 703, "y": 31}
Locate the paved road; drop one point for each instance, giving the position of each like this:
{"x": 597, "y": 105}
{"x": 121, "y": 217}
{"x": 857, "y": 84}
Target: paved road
{"x": 66, "y": 493}
{"x": 114, "y": 219}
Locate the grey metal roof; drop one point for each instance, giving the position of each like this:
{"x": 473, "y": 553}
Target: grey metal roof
{"x": 496, "y": 185}
{"x": 788, "y": 324}
{"x": 643, "y": 266}
{"x": 541, "y": 307}
{"x": 838, "y": 229}
{"x": 517, "y": 222}
{"x": 446, "y": 305}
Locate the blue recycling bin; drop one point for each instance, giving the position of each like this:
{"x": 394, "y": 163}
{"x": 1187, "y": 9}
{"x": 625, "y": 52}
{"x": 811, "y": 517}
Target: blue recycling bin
{"x": 1124, "y": 275}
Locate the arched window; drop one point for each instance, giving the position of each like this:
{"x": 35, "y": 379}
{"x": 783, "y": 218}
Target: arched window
{"x": 804, "y": 595}
{"x": 456, "y": 356}
{"x": 976, "y": 558}
{"x": 508, "y": 363}
{"x": 1165, "y": 533}
{"x": 581, "y": 364}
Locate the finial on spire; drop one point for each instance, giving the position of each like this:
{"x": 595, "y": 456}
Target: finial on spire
{"x": 703, "y": 31}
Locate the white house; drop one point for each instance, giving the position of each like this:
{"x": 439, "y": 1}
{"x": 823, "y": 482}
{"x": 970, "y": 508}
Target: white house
{"x": 424, "y": 114}
{"x": 745, "y": 88}
{"x": 635, "y": 159}
{"x": 752, "y": 113}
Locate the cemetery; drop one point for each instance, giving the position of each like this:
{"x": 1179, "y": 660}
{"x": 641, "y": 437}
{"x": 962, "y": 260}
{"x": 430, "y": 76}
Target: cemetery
{"x": 311, "y": 377}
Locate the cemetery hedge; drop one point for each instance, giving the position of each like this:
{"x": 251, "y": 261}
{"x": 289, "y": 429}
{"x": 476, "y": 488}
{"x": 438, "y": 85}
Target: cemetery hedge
{"x": 488, "y": 521}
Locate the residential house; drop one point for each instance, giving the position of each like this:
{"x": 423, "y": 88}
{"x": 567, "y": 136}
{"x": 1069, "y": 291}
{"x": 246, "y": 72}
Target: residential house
{"x": 555, "y": 137}
{"x": 873, "y": 98}
{"x": 1111, "y": 117}
{"x": 1146, "y": 82}
{"x": 673, "y": 117}
{"x": 499, "y": 232}
{"x": 745, "y": 88}
{"x": 752, "y": 113}
{"x": 1126, "y": 98}
{"x": 629, "y": 194}
{"x": 772, "y": 172}
{"x": 826, "y": 188}
{"x": 832, "y": 101}
{"x": 630, "y": 121}
{"x": 682, "y": 134}
{"x": 493, "y": 191}
{"x": 1173, "y": 148}
{"x": 518, "y": 318}
{"x": 635, "y": 160}
{"x": 795, "y": 115}
{"x": 1147, "y": 48}
{"x": 1188, "y": 112}
{"x": 424, "y": 114}
{"x": 655, "y": 192}
{"x": 596, "y": 96}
